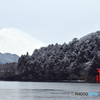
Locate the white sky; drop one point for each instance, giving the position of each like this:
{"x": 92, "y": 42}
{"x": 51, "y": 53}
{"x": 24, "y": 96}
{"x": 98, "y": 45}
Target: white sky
{"x": 51, "y": 21}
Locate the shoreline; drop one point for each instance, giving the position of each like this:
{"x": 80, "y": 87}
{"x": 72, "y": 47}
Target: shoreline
{"x": 63, "y": 81}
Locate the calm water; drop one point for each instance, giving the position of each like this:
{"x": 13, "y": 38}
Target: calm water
{"x": 46, "y": 90}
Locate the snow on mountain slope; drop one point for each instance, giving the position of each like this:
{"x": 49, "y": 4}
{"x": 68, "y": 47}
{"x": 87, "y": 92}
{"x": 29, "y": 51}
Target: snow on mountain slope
{"x": 14, "y": 41}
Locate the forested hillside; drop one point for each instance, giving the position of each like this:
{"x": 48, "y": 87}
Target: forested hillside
{"x": 76, "y": 60}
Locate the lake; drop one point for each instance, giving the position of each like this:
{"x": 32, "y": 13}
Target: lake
{"x": 46, "y": 90}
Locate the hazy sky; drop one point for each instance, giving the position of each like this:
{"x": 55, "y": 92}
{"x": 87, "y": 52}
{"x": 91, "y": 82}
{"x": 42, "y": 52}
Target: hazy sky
{"x": 51, "y": 21}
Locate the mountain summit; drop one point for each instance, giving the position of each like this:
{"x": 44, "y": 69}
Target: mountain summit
{"x": 15, "y": 41}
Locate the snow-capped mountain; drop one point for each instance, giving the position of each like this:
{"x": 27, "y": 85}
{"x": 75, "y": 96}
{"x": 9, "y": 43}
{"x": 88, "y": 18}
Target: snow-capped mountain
{"x": 15, "y": 41}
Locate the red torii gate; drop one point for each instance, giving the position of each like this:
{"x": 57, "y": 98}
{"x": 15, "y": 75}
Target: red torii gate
{"x": 98, "y": 77}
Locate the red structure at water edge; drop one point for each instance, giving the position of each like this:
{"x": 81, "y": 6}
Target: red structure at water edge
{"x": 98, "y": 76}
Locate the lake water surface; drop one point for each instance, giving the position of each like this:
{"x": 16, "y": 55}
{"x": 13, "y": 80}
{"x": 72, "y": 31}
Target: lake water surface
{"x": 46, "y": 90}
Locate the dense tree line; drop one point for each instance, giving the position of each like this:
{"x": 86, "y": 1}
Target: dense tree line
{"x": 60, "y": 62}
{"x": 7, "y": 71}
{"x": 75, "y": 60}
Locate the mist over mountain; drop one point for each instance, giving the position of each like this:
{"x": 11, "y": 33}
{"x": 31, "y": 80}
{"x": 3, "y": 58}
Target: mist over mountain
{"x": 15, "y": 41}
{"x": 8, "y": 58}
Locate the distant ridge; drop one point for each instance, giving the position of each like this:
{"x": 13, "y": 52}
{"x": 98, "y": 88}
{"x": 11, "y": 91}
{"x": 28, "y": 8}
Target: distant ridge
{"x": 8, "y": 58}
{"x": 15, "y": 41}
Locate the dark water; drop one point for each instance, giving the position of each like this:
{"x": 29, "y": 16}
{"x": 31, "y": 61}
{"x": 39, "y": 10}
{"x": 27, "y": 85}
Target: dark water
{"x": 46, "y": 90}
